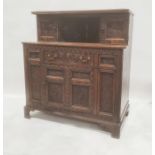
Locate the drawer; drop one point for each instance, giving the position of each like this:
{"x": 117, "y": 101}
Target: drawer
{"x": 34, "y": 52}
{"x": 34, "y": 55}
{"x": 108, "y": 61}
{"x": 68, "y": 56}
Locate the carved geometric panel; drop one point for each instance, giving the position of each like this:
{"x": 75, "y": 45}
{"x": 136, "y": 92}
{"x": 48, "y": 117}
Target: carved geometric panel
{"x": 55, "y": 92}
{"x": 35, "y": 81}
{"x": 80, "y": 95}
{"x": 106, "y": 92}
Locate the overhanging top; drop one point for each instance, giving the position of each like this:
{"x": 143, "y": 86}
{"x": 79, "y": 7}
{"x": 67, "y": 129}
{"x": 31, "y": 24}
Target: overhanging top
{"x": 78, "y": 44}
{"x": 81, "y": 12}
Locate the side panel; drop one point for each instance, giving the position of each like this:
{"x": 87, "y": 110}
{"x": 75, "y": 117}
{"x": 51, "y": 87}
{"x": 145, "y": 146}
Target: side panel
{"x": 126, "y": 71}
{"x": 32, "y": 60}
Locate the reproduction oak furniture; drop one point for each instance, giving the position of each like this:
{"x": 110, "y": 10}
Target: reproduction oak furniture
{"x": 80, "y": 66}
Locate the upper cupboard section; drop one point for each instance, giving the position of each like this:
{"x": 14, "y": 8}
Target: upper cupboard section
{"x": 111, "y": 26}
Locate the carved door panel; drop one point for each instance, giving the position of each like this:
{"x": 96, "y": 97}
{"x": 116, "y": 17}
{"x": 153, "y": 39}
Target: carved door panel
{"x": 106, "y": 94}
{"x": 53, "y": 93}
{"x": 35, "y": 82}
{"x": 107, "y": 85}
{"x": 81, "y": 86}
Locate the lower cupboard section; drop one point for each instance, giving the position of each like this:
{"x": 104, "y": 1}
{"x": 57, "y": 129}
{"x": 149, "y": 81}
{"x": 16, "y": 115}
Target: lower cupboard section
{"x": 86, "y": 87}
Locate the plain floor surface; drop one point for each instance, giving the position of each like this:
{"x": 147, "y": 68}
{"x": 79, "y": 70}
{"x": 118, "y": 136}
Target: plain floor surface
{"x": 50, "y": 135}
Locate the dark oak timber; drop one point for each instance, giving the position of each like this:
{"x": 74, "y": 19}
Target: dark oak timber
{"x": 80, "y": 66}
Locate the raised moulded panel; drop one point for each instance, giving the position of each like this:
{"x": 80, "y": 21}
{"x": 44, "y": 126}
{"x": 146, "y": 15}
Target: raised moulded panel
{"x": 80, "y": 95}
{"x": 55, "y": 92}
{"x": 107, "y": 92}
{"x": 81, "y": 89}
{"x": 35, "y": 81}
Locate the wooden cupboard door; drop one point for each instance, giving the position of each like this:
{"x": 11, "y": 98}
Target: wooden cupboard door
{"x": 53, "y": 93}
{"x": 106, "y": 94}
{"x": 35, "y": 82}
{"x": 81, "y": 90}
{"x": 108, "y": 81}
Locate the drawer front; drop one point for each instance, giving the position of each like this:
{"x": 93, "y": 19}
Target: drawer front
{"x": 68, "y": 56}
{"x": 34, "y": 55}
{"x": 107, "y": 61}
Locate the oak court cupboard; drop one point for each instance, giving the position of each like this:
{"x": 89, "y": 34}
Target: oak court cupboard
{"x": 80, "y": 66}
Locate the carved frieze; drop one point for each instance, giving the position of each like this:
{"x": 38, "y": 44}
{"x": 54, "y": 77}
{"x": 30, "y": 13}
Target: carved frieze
{"x": 72, "y": 56}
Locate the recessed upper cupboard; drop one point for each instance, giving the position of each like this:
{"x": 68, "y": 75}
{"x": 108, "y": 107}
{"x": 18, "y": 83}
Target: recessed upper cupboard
{"x": 84, "y": 26}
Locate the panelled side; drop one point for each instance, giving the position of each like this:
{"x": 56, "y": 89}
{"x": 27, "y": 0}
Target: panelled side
{"x": 32, "y": 64}
{"x": 126, "y": 71}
